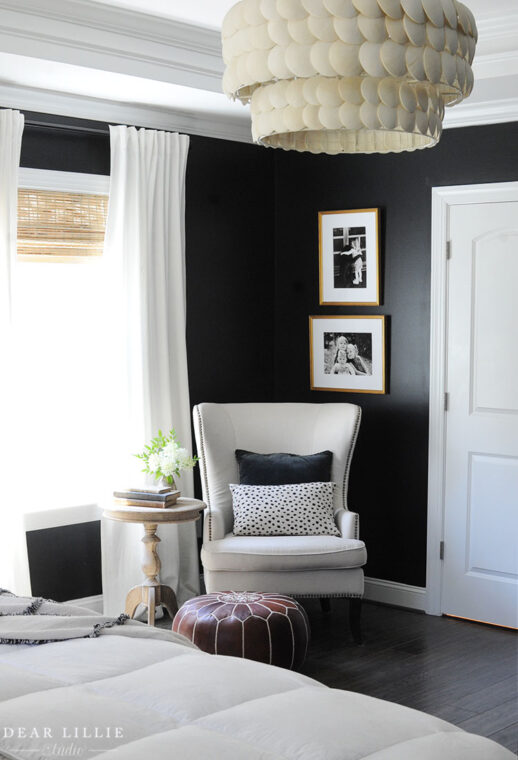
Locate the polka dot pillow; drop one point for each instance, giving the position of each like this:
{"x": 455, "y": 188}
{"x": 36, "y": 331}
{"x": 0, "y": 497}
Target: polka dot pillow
{"x": 303, "y": 509}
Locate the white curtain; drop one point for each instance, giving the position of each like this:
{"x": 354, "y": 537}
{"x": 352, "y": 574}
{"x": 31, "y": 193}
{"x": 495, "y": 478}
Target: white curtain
{"x": 146, "y": 253}
{"x": 11, "y": 129}
{"x": 14, "y": 573}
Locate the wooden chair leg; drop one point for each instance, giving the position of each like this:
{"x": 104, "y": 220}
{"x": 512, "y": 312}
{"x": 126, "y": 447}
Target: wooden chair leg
{"x": 355, "y": 610}
{"x": 325, "y": 604}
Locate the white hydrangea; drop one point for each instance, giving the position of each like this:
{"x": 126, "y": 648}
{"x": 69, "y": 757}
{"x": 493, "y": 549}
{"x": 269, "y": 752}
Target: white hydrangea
{"x": 168, "y": 460}
{"x": 167, "y": 466}
{"x": 154, "y": 462}
{"x": 170, "y": 450}
{"x": 183, "y": 459}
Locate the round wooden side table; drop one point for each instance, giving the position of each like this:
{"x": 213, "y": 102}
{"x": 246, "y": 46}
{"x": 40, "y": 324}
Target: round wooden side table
{"x": 152, "y": 593}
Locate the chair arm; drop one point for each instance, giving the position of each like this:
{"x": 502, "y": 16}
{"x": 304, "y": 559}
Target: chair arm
{"x": 213, "y": 525}
{"x": 348, "y": 523}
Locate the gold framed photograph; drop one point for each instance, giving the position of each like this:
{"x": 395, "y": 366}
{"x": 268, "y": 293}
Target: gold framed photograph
{"x": 349, "y": 266}
{"x": 347, "y": 353}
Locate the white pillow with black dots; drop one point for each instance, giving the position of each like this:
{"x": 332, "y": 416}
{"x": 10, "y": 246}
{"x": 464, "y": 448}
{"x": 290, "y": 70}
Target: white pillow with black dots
{"x": 303, "y": 509}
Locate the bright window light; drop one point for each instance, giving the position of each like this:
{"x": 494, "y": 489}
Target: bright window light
{"x": 62, "y": 350}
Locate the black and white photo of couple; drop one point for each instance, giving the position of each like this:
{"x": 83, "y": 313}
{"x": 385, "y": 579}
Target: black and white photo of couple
{"x": 350, "y": 257}
{"x": 348, "y": 353}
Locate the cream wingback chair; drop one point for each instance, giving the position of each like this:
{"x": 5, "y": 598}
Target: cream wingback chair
{"x": 301, "y": 566}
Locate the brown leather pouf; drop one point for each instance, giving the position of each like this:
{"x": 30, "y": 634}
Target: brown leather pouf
{"x": 270, "y": 628}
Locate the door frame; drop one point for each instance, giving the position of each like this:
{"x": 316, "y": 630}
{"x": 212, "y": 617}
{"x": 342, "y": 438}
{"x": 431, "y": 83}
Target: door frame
{"x": 442, "y": 199}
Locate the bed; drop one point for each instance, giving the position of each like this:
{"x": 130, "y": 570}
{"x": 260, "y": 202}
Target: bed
{"x": 117, "y": 689}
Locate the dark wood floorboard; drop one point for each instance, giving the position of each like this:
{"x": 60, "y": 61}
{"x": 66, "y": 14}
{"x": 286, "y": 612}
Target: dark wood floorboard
{"x": 465, "y": 673}
{"x": 507, "y": 737}
{"x": 491, "y": 696}
{"x": 491, "y": 721}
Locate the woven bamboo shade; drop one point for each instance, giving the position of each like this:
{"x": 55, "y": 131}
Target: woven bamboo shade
{"x": 56, "y": 223}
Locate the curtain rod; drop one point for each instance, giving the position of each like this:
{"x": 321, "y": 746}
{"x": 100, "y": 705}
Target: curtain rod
{"x": 67, "y": 127}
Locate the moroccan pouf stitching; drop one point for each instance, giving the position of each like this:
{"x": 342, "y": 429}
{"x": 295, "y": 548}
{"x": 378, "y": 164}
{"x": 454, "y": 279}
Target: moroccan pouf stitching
{"x": 270, "y": 628}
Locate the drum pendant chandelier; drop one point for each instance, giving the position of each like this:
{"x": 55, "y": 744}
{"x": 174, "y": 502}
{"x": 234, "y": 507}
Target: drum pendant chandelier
{"x": 348, "y": 76}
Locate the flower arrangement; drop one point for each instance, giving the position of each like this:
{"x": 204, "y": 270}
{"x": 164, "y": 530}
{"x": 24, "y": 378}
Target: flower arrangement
{"x": 164, "y": 458}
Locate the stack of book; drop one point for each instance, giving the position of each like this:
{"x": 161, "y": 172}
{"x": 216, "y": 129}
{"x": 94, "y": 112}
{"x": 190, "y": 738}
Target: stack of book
{"x": 147, "y": 496}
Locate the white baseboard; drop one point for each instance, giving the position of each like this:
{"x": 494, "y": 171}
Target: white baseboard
{"x": 376, "y": 590}
{"x": 398, "y": 594}
{"x": 94, "y": 603}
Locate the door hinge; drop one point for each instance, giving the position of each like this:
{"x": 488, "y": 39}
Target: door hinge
{"x": 448, "y": 249}
{"x": 446, "y": 401}
{"x": 441, "y": 550}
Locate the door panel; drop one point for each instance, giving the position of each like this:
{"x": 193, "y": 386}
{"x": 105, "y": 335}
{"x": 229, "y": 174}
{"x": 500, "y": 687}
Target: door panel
{"x": 495, "y": 280}
{"x": 481, "y": 467}
{"x": 494, "y": 482}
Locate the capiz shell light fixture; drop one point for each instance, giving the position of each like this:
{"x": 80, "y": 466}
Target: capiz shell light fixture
{"x": 348, "y": 76}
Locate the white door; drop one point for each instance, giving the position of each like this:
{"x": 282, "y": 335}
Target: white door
{"x": 480, "y": 573}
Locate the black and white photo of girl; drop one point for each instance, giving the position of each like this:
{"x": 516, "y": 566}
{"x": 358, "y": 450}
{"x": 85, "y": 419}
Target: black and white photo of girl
{"x": 350, "y": 257}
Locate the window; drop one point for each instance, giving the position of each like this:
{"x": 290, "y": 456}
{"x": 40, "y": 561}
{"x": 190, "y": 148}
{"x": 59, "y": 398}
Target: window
{"x": 57, "y": 223}
{"x": 61, "y": 215}
{"x": 62, "y": 318}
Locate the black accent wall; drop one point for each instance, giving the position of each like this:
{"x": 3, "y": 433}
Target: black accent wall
{"x": 252, "y": 282}
{"x": 388, "y": 485}
{"x": 229, "y": 211}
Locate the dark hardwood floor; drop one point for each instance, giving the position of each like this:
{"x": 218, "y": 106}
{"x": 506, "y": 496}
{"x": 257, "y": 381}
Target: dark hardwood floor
{"x": 462, "y": 672}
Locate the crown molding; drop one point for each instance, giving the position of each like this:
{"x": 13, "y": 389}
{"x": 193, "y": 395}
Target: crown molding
{"x": 478, "y": 113}
{"x": 87, "y": 33}
{"x": 112, "y": 18}
{"x": 97, "y": 109}
{"x": 496, "y": 65}
{"x": 499, "y": 30}
{"x": 113, "y": 39}
{"x": 497, "y": 48}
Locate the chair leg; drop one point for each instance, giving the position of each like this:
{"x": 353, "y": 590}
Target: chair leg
{"x": 325, "y": 604}
{"x": 355, "y": 611}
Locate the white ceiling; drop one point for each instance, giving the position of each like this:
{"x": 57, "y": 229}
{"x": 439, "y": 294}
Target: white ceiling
{"x": 211, "y": 12}
{"x": 158, "y": 63}
{"x": 202, "y": 12}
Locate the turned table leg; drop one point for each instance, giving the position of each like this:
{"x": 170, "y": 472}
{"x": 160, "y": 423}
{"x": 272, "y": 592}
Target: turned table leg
{"x": 151, "y": 593}
{"x": 151, "y": 564}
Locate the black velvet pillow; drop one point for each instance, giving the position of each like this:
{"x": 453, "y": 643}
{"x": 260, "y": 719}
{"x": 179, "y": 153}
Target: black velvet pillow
{"x": 283, "y": 469}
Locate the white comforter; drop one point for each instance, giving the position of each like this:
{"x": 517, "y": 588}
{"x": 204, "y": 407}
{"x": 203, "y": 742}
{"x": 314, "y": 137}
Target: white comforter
{"x": 117, "y": 697}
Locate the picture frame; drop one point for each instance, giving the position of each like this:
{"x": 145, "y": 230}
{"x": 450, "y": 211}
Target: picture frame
{"x": 347, "y": 353}
{"x": 349, "y": 260}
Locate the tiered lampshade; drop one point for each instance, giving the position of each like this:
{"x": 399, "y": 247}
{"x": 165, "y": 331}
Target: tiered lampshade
{"x": 348, "y": 76}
